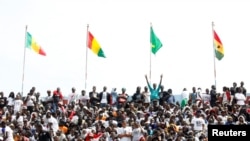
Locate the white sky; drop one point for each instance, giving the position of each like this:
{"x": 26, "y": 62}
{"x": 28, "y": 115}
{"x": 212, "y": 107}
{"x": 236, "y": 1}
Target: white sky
{"x": 122, "y": 28}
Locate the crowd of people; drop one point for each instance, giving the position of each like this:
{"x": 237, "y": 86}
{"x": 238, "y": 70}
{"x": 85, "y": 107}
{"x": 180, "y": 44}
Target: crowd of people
{"x": 150, "y": 114}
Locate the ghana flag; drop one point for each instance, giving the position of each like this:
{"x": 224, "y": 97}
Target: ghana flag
{"x": 218, "y": 46}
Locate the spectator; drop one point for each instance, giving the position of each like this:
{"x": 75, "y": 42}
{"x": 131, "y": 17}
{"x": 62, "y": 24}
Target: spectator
{"x": 154, "y": 92}
{"x": 129, "y": 120}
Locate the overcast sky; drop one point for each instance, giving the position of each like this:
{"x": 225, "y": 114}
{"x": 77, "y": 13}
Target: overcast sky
{"x": 122, "y": 28}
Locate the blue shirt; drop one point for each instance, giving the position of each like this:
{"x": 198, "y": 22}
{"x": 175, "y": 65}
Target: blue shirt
{"x": 114, "y": 97}
{"x": 171, "y": 99}
{"x": 154, "y": 93}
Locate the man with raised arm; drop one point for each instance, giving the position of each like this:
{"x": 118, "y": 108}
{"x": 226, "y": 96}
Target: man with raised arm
{"x": 155, "y": 91}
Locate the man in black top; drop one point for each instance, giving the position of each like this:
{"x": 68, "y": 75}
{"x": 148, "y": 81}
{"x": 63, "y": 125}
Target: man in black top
{"x": 94, "y": 96}
{"x": 138, "y": 96}
{"x": 43, "y": 135}
{"x": 3, "y": 100}
{"x": 213, "y": 96}
{"x": 244, "y": 90}
{"x": 164, "y": 95}
{"x": 233, "y": 91}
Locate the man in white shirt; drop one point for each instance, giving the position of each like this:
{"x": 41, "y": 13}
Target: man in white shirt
{"x": 48, "y": 100}
{"x": 75, "y": 119}
{"x": 184, "y": 98}
{"x": 137, "y": 132}
{"x": 206, "y": 97}
{"x": 125, "y": 133}
{"x": 198, "y": 123}
{"x": 18, "y": 103}
{"x": 104, "y": 97}
{"x": 51, "y": 123}
{"x": 7, "y": 132}
{"x": 240, "y": 97}
{"x": 73, "y": 96}
{"x": 84, "y": 99}
{"x": 114, "y": 96}
{"x": 30, "y": 102}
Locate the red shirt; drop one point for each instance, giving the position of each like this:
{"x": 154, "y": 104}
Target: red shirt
{"x": 56, "y": 93}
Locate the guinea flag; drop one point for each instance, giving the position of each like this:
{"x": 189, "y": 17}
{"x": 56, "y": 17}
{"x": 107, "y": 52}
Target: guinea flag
{"x": 95, "y": 46}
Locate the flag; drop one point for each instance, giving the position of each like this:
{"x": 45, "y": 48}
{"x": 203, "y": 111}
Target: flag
{"x": 95, "y": 46}
{"x": 93, "y": 137}
{"x": 218, "y": 46}
{"x": 155, "y": 41}
{"x": 32, "y": 44}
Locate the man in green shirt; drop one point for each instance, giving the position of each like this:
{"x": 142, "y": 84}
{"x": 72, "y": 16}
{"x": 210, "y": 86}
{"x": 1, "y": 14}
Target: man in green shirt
{"x": 154, "y": 92}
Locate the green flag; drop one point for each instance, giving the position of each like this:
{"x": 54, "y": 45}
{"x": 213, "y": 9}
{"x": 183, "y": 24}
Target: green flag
{"x": 155, "y": 41}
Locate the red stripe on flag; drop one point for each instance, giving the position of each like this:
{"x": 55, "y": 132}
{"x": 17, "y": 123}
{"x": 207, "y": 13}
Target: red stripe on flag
{"x": 90, "y": 39}
{"x": 216, "y": 37}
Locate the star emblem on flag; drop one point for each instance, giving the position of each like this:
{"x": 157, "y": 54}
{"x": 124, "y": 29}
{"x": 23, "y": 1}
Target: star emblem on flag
{"x": 153, "y": 46}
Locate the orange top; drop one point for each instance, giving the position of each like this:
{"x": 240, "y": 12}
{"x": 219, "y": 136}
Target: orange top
{"x": 64, "y": 129}
{"x": 102, "y": 118}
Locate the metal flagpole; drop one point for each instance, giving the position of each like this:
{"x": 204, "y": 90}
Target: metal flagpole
{"x": 24, "y": 56}
{"x": 86, "y": 64}
{"x": 150, "y": 57}
{"x": 214, "y": 56}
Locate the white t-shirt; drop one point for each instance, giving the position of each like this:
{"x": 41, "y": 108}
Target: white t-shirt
{"x": 104, "y": 97}
{"x": 224, "y": 97}
{"x": 147, "y": 97}
{"x": 125, "y": 130}
{"x": 30, "y": 100}
{"x": 95, "y": 94}
{"x": 72, "y": 97}
{"x": 136, "y": 134}
{"x": 54, "y": 122}
{"x": 198, "y": 123}
{"x": 84, "y": 99}
{"x": 75, "y": 119}
{"x": 71, "y": 137}
{"x": 19, "y": 120}
{"x": 8, "y": 132}
{"x": 206, "y": 98}
{"x": 49, "y": 99}
{"x": 18, "y": 105}
{"x": 10, "y": 101}
{"x": 224, "y": 118}
{"x": 185, "y": 95}
{"x": 240, "y": 98}
{"x": 119, "y": 130}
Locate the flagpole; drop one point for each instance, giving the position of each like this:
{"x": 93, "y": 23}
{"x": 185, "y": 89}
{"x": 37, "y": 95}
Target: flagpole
{"x": 24, "y": 56}
{"x": 214, "y": 55}
{"x": 150, "y": 58}
{"x": 86, "y": 64}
